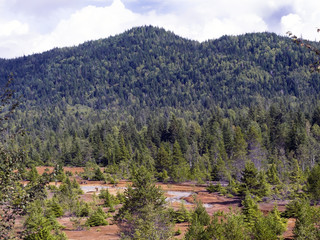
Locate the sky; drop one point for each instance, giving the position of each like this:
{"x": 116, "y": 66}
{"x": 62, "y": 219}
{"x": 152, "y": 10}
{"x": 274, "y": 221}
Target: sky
{"x": 34, "y": 26}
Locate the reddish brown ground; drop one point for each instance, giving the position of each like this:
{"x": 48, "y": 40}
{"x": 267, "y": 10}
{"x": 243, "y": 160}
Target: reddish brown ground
{"x": 101, "y": 232}
{"x": 215, "y": 203}
{"x": 73, "y": 170}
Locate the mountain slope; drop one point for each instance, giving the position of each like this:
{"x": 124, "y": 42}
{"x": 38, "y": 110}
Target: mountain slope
{"x": 149, "y": 67}
{"x": 118, "y": 100}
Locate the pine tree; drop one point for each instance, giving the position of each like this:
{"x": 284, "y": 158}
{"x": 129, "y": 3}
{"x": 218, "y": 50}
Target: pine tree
{"x": 235, "y": 228}
{"x": 249, "y": 177}
{"x": 239, "y": 152}
{"x": 296, "y": 175}
{"x": 143, "y": 214}
{"x": 55, "y": 208}
{"x": 200, "y": 219}
{"x": 263, "y": 188}
{"x": 33, "y": 174}
{"x": 179, "y": 169}
{"x": 162, "y": 159}
{"x": 269, "y": 227}
{"x": 250, "y": 210}
{"x": 98, "y": 218}
{"x": 307, "y": 223}
{"x": 313, "y": 182}
{"x": 109, "y": 200}
{"x": 123, "y": 155}
{"x": 39, "y": 225}
{"x": 272, "y": 174}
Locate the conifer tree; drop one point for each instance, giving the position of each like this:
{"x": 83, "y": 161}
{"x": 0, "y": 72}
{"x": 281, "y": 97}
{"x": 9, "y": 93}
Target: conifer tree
{"x": 239, "y": 152}
{"x": 97, "y": 218}
{"x": 200, "y": 219}
{"x": 179, "y": 169}
{"x": 313, "y": 183}
{"x": 272, "y": 174}
{"x": 250, "y": 210}
{"x": 33, "y": 174}
{"x": 143, "y": 214}
{"x": 249, "y": 177}
{"x": 307, "y": 223}
{"x": 162, "y": 159}
{"x": 269, "y": 227}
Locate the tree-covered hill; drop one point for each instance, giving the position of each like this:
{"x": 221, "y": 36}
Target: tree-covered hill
{"x": 148, "y": 67}
{"x": 148, "y": 94}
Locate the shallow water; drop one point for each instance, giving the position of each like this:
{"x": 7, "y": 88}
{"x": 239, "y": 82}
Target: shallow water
{"x": 93, "y": 188}
{"x": 175, "y": 196}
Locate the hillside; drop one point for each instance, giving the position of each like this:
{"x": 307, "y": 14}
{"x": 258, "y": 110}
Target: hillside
{"x": 127, "y": 95}
{"x": 148, "y": 67}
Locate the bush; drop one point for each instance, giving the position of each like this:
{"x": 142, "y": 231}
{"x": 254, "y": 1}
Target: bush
{"x": 109, "y": 200}
{"x": 181, "y": 215}
{"x": 98, "y": 218}
{"x": 98, "y": 175}
{"x": 120, "y": 197}
{"x": 55, "y": 208}
{"x": 112, "y": 209}
{"x": 39, "y": 225}
{"x": 214, "y": 188}
{"x": 84, "y": 210}
{"x": 293, "y": 208}
{"x": 178, "y": 232}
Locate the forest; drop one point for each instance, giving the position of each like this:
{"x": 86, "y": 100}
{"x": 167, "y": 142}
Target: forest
{"x": 149, "y": 106}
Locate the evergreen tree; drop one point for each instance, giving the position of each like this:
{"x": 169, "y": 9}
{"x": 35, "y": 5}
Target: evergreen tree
{"x": 249, "y": 178}
{"x": 272, "y": 175}
{"x": 109, "y": 200}
{"x": 200, "y": 219}
{"x": 162, "y": 159}
{"x": 123, "y": 155}
{"x": 239, "y": 153}
{"x": 179, "y": 169}
{"x": 33, "y": 174}
{"x": 269, "y": 227}
{"x": 40, "y": 226}
{"x": 97, "y": 218}
{"x": 55, "y": 208}
{"x": 143, "y": 214}
{"x": 313, "y": 183}
{"x": 307, "y": 223}
{"x": 250, "y": 210}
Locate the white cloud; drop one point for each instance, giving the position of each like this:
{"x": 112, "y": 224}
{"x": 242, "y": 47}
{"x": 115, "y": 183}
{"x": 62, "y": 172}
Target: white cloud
{"x": 292, "y": 22}
{"x": 304, "y": 20}
{"x": 89, "y": 23}
{"x": 13, "y": 28}
{"x": 74, "y": 22}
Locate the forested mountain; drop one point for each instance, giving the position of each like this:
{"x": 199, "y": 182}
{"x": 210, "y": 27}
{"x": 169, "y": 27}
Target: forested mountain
{"x": 149, "y": 67}
{"x": 149, "y": 97}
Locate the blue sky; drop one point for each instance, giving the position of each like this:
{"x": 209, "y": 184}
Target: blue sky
{"x": 33, "y": 26}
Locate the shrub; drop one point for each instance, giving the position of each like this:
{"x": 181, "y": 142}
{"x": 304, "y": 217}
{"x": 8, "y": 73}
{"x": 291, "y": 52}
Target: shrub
{"x": 55, "y": 208}
{"x": 98, "y": 218}
{"x": 214, "y": 188}
{"x": 109, "y": 200}
{"x": 84, "y": 210}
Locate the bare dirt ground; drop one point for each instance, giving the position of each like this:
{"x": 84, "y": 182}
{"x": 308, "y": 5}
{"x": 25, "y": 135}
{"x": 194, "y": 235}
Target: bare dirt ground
{"x": 212, "y": 201}
{"x": 73, "y": 170}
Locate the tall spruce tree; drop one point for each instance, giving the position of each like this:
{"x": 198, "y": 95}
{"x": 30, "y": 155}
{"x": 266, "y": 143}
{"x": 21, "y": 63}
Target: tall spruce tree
{"x": 143, "y": 214}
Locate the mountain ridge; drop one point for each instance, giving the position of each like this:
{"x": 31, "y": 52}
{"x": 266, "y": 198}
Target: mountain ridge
{"x": 149, "y": 61}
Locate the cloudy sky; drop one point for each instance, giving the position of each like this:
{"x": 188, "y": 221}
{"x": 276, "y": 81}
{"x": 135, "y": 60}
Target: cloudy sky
{"x": 33, "y": 26}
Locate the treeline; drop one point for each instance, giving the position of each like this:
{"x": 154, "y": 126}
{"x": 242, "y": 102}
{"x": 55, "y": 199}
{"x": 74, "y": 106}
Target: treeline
{"x": 216, "y": 148}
